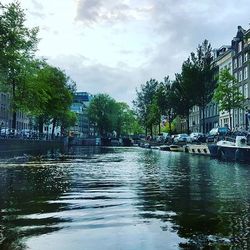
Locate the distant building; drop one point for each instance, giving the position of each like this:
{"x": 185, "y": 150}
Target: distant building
{"x": 22, "y": 120}
{"x": 79, "y": 106}
{"x": 241, "y": 67}
{"x": 83, "y": 97}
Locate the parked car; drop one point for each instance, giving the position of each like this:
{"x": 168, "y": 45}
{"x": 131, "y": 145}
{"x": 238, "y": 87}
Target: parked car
{"x": 4, "y": 132}
{"x": 197, "y": 137}
{"x": 182, "y": 138}
{"x": 216, "y": 134}
{"x": 12, "y": 133}
{"x": 202, "y": 138}
{"x": 194, "y": 136}
{"x": 167, "y": 137}
{"x": 25, "y": 133}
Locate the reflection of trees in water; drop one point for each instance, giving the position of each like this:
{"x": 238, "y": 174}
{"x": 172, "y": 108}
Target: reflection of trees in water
{"x": 27, "y": 194}
{"x": 200, "y": 199}
{"x": 26, "y": 191}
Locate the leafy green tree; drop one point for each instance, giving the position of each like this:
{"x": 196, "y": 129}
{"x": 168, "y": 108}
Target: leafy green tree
{"x": 154, "y": 115}
{"x": 168, "y": 127}
{"x": 202, "y": 74}
{"x": 164, "y": 101}
{"x": 136, "y": 127}
{"x": 34, "y": 94}
{"x": 68, "y": 120}
{"x": 108, "y": 116}
{"x": 125, "y": 120}
{"x": 102, "y": 113}
{"x": 227, "y": 94}
{"x": 143, "y": 102}
{"x": 18, "y": 45}
{"x": 54, "y": 92}
{"x": 182, "y": 96}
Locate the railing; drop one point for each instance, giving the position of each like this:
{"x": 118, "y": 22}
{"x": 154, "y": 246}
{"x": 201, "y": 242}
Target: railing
{"x": 43, "y": 137}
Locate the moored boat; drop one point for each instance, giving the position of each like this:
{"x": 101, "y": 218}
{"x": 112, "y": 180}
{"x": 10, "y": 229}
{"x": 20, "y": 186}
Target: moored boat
{"x": 165, "y": 148}
{"x": 176, "y": 148}
{"x": 237, "y": 151}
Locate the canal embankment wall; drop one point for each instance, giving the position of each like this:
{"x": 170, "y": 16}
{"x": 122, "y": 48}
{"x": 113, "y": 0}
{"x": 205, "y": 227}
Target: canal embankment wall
{"x": 8, "y": 145}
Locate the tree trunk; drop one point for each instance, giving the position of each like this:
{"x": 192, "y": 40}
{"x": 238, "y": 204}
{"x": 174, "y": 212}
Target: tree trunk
{"x": 53, "y": 128}
{"x": 159, "y": 128}
{"x": 200, "y": 127}
{"x": 40, "y": 124}
{"x": 230, "y": 120}
{"x": 13, "y": 125}
{"x": 233, "y": 123}
{"x": 188, "y": 124}
{"x": 151, "y": 130}
{"x": 170, "y": 121}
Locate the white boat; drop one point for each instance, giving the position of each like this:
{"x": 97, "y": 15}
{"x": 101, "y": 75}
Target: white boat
{"x": 232, "y": 151}
{"x": 176, "y": 148}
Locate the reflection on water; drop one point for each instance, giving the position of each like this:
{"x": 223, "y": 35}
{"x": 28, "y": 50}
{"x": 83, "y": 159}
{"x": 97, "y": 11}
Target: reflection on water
{"x": 123, "y": 198}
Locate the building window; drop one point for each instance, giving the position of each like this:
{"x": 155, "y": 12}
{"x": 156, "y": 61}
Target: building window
{"x": 246, "y": 90}
{"x": 240, "y": 75}
{"x": 240, "y": 46}
{"x": 245, "y": 57}
{"x": 240, "y": 90}
{"x": 241, "y": 117}
{"x": 240, "y": 61}
{"x": 235, "y": 63}
{"x": 236, "y": 76}
{"x": 245, "y": 73}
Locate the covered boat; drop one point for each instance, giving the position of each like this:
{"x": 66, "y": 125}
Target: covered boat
{"x": 231, "y": 151}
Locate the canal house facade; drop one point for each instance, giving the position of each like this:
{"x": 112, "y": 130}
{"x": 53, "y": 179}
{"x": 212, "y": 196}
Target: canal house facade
{"x": 236, "y": 59}
{"x": 241, "y": 48}
{"x": 224, "y": 61}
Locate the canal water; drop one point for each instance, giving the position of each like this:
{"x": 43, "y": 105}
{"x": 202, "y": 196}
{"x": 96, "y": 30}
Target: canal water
{"x": 123, "y": 199}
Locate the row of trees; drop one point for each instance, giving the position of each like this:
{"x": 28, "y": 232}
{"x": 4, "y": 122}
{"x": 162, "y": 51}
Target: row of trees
{"x": 196, "y": 85}
{"x": 36, "y": 88}
{"x": 107, "y": 116}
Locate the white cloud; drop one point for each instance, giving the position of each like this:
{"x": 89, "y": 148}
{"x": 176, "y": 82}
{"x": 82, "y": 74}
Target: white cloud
{"x": 37, "y": 5}
{"x": 101, "y": 11}
{"x": 113, "y": 46}
{"x": 120, "y": 82}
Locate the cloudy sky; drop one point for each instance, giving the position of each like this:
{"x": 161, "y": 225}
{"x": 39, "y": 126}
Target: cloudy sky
{"x": 114, "y": 46}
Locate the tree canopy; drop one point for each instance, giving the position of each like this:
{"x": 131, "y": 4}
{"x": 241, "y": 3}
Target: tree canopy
{"x": 58, "y": 90}
{"x": 107, "y": 116}
{"x": 18, "y": 44}
{"x": 144, "y": 101}
{"x": 38, "y": 89}
{"x": 227, "y": 93}
{"x": 202, "y": 74}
